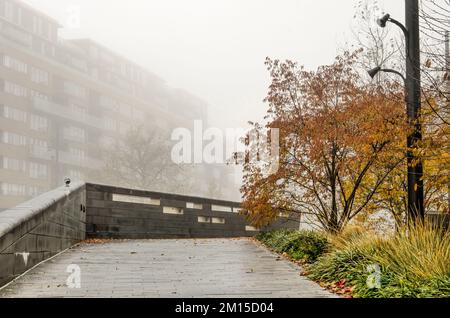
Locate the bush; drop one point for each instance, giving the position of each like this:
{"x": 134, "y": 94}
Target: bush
{"x": 305, "y": 246}
{"x": 413, "y": 263}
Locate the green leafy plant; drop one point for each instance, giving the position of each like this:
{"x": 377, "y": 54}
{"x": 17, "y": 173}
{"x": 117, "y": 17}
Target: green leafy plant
{"x": 304, "y": 246}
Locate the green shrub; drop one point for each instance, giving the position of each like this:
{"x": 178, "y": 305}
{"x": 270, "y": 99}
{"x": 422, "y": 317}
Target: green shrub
{"x": 305, "y": 246}
{"x": 413, "y": 263}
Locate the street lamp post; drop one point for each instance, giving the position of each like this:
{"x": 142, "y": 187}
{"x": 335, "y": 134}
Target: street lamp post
{"x": 412, "y": 87}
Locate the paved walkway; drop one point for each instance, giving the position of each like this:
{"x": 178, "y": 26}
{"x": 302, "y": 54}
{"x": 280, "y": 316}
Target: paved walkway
{"x": 167, "y": 268}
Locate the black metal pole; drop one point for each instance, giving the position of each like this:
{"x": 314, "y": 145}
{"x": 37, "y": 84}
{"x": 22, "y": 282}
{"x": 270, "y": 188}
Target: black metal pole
{"x": 415, "y": 167}
{"x": 447, "y": 71}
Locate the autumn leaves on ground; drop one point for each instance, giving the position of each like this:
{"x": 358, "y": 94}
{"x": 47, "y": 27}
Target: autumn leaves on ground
{"x": 342, "y": 163}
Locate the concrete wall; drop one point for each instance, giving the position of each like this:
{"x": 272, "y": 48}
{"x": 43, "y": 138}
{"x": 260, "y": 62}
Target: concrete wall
{"x": 56, "y": 220}
{"x": 149, "y": 215}
{"x": 40, "y": 228}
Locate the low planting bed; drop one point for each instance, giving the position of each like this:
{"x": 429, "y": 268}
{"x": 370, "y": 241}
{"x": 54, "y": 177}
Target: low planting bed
{"x": 409, "y": 264}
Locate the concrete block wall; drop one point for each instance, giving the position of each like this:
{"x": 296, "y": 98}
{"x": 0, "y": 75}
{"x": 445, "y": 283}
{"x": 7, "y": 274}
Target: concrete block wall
{"x": 52, "y": 222}
{"x": 40, "y": 228}
{"x": 109, "y": 217}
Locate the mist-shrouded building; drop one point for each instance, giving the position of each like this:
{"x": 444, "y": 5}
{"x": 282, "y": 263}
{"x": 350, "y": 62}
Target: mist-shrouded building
{"x": 60, "y": 99}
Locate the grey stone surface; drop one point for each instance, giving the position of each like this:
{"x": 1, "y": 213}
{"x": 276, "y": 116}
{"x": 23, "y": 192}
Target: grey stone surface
{"x": 113, "y": 219}
{"x": 56, "y": 220}
{"x": 40, "y": 228}
{"x": 168, "y": 268}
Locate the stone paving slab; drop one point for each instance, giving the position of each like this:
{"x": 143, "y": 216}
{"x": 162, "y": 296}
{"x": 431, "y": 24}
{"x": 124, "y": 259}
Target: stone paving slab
{"x": 168, "y": 268}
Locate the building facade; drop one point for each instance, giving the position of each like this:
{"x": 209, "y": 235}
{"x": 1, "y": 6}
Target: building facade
{"x": 60, "y": 99}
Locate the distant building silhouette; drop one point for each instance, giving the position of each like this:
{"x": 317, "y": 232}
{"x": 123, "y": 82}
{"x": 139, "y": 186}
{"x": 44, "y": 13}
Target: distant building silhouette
{"x": 60, "y": 99}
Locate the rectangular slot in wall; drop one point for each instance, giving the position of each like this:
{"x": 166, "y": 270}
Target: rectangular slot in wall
{"x": 204, "y": 219}
{"x": 237, "y": 210}
{"x": 221, "y": 208}
{"x": 172, "y": 210}
{"x": 135, "y": 199}
{"x": 218, "y": 220}
{"x": 250, "y": 228}
{"x": 192, "y": 205}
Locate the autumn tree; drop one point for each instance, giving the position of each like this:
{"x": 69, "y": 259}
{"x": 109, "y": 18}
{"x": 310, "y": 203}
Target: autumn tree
{"x": 383, "y": 47}
{"x": 435, "y": 146}
{"x": 334, "y": 133}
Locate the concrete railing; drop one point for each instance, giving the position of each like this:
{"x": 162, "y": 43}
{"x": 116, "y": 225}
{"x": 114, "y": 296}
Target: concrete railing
{"x": 41, "y": 228}
{"x": 50, "y": 223}
{"x": 114, "y": 212}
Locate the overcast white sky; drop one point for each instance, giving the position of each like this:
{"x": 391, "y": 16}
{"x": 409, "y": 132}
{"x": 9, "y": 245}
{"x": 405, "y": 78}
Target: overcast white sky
{"x": 216, "y": 49}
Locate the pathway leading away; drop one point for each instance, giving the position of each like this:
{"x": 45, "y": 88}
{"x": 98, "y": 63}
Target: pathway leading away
{"x": 166, "y": 268}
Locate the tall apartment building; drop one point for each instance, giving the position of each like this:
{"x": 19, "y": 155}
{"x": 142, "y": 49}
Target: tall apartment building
{"x": 60, "y": 99}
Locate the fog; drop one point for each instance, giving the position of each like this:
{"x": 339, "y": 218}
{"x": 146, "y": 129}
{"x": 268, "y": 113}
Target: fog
{"x": 216, "y": 49}
{"x": 203, "y": 60}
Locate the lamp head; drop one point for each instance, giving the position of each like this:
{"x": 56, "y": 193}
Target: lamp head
{"x": 373, "y": 72}
{"x": 383, "y": 20}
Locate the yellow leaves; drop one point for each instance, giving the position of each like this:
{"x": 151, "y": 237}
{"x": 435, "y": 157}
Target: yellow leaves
{"x": 337, "y": 141}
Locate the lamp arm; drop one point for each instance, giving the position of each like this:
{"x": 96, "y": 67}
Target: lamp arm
{"x": 388, "y": 70}
{"x": 401, "y": 26}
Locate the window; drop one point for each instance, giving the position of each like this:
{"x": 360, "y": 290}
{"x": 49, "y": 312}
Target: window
{"x": 15, "y": 64}
{"x": 109, "y": 103}
{"x": 13, "y": 139}
{"x": 36, "y": 94}
{"x": 15, "y": 89}
{"x": 33, "y": 191}
{"x": 78, "y": 153}
{"x": 204, "y": 219}
{"x": 78, "y": 110}
{"x": 218, "y": 221}
{"x": 75, "y": 90}
{"x": 37, "y": 25}
{"x": 9, "y": 11}
{"x": 107, "y": 140}
{"x": 221, "y": 208}
{"x": 250, "y": 228}
{"x": 13, "y": 189}
{"x": 13, "y": 164}
{"x": 75, "y": 133}
{"x": 75, "y": 174}
{"x": 38, "y": 123}
{"x": 19, "y": 16}
{"x": 17, "y": 35}
{"x": 78, "y": 63}
{"x": 39, "y": 76}
{"x": 38, "y": 171}
{"x": 38, "y": 143}
{"x": 39, "y": 148}
{"x": 110, "y": 124}
{"x": 135, "y": 199}
{"x": 13, "y": 113}
{"x": 172, "y": 210}
{"x": 192, "y": 205}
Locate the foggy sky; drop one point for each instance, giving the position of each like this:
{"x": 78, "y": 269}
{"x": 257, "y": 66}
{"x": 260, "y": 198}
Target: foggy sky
{"x": 216, "y": 49}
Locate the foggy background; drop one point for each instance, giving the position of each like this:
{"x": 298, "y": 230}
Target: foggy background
{"x": 57, "y": 125}
{"x": 216, "y": 49}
